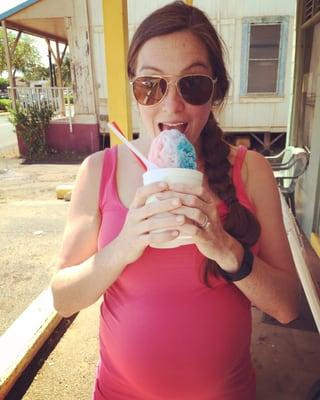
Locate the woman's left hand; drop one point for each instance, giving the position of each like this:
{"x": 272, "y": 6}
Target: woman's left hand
{"x": 202, "y": 222}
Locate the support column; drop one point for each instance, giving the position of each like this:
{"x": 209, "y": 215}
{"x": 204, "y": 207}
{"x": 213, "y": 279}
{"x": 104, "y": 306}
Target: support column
{"x": 9, "y": 66}
{"x": 115, "y": 21}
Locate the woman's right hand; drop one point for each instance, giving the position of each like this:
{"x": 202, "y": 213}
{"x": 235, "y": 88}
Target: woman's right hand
{"x": 143, "y": 220}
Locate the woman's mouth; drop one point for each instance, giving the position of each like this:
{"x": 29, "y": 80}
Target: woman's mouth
{"x": 180, "y": 126}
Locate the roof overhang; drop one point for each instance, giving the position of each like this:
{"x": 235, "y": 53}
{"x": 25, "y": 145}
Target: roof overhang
{"x": 43, "y": 18}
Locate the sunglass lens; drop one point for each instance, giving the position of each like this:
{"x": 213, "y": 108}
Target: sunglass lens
{"x": 196, "y": 89}
{"x": 149, "y": 90}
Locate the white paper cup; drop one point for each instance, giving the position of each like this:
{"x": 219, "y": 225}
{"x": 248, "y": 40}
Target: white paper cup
{"x": 172, "y": 175}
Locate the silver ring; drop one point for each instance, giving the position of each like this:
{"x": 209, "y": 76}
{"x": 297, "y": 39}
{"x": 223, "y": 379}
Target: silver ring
{"x": 206, "y": 223}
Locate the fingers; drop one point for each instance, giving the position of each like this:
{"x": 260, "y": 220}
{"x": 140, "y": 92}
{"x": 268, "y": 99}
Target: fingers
{"x": 146, "y": 191}
{"x": 161, "y": 222}
{"x": 199, "y": 191}
{"x": 159, "y": 237}
{"x": 189, "y": 200}
{"x": 193, "y": 207}
{"x": 194, "y": 215}
{"x": 157, "y": 207}
{"x": 199, "y": 206}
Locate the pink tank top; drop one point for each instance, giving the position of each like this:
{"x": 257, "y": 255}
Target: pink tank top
{"x": 165, "y": 335}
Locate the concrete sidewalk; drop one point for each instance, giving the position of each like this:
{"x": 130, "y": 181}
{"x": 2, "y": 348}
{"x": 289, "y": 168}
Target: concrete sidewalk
{"x": 32, "y": 221}
{"x": 68, "y": 372}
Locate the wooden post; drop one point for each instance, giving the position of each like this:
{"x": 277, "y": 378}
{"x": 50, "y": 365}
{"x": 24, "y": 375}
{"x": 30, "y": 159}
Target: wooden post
{"x": 58, "y": 76}
{"x": 9, "y": 66}
{"x": 115, "y": 21}
{"x": 297, "y": 104}
{"x": 59, "y": 80}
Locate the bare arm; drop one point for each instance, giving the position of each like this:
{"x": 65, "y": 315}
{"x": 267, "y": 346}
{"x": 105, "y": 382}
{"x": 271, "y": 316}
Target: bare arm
{"x": 273, "y": 285}
{"x": 84, "y": 273}
{"x": 88, "y": 274}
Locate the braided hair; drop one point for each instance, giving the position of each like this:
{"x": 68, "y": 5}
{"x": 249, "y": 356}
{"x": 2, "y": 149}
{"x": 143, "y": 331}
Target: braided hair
{"x": 239, "y": 222}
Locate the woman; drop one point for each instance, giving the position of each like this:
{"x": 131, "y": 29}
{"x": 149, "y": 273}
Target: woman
{"x": 176, "y": 323}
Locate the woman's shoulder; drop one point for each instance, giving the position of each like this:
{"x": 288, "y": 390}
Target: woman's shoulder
{"x": 261, "y": 183}
{"x": 94, "y": 161}
{"x": 91, "y": 167}
{"x": 257, "y": 164}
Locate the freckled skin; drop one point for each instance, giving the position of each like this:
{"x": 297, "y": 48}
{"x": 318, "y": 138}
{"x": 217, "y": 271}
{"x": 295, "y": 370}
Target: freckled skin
{"x": 178, "y": 53}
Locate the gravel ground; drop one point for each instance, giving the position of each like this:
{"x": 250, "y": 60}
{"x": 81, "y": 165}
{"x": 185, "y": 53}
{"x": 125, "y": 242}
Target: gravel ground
{"x": 31, "y": 227}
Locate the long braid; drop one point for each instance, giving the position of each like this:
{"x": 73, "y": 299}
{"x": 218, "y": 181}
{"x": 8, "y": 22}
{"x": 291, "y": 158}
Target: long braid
{"x": 239, "y": 222}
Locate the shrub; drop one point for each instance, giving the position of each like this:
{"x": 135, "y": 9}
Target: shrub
{"x": 31, "y": 124}
{"x": 4, "y": 83}
{"x": 5, "y": 104}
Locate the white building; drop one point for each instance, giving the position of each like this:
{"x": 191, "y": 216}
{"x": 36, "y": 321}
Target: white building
{"x": 259, "y": 36}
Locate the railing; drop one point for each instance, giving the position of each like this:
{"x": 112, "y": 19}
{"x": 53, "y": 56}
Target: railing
{"x": 58, "y": 97}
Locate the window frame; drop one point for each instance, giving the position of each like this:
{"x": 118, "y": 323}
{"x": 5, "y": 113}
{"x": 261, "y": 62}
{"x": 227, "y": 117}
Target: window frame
{"x": 283, "y": 21}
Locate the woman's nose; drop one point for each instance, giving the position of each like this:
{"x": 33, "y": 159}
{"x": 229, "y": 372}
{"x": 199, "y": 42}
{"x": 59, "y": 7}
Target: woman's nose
{"x": 173, "y": 102}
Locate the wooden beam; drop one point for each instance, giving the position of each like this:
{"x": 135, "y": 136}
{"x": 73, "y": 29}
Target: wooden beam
{"x": 59, "y": 81}
{"x": 51, "y": 51}
{"x": 295, "y": 121}
{"x": 35, "y": 32}
{"x": 115, "y": 21}
{"x": 9, "y": 65}
{"x": 15, "y": 44}
{"x": 64, "y": 53}
{"x": 312, "y": 21}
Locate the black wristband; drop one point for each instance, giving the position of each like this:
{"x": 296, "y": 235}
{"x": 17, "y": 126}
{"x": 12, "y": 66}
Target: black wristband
{"x": 245, "y": 267}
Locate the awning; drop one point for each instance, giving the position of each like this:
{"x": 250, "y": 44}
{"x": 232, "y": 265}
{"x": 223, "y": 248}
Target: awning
{"x": 43, "y": 18}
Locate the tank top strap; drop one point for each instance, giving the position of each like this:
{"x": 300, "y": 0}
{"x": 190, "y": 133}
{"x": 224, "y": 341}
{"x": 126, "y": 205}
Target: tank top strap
{"x": 237, "y": 178}
{"x": 107, "y": 182}
{"x": 237, "y": 166}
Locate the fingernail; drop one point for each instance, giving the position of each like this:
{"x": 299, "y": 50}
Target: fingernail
{"x": 180, "y": 218}
{"x": 162, "y": 185}
{"x": 175, "y": 202}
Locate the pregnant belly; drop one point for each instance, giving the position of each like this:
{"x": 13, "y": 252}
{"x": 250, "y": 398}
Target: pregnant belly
{"x": 187, "y": 348}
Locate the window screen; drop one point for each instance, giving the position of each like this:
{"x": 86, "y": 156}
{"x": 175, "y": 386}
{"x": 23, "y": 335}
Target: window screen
{"x": 263, "y": 58}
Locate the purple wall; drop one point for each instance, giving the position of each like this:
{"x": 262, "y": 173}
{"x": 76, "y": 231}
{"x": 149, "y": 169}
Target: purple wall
{"x": 84, "y": 138}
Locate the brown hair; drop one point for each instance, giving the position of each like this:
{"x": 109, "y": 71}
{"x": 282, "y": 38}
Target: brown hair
{"x": 178, "y": 16}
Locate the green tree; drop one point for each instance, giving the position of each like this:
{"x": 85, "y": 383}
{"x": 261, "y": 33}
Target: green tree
{"x": 38, "y": 72}
{"x": 26, "y": 57}
{"x": 66, "y": 70}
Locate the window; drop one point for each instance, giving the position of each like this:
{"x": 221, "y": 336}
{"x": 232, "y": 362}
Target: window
{"x": 264, "y": 46}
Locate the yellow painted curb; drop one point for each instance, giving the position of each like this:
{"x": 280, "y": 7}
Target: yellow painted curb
{"x": 315, "y": 243}
{"x": 23, "y": 339}
{"x": 63, "y": 190}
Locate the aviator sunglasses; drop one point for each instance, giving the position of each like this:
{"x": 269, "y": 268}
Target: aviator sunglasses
{"x": 194, "y": 89}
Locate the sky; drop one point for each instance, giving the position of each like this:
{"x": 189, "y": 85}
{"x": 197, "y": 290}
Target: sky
{"x": 7, "y": 4}
{"x": 40, "y": 43}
